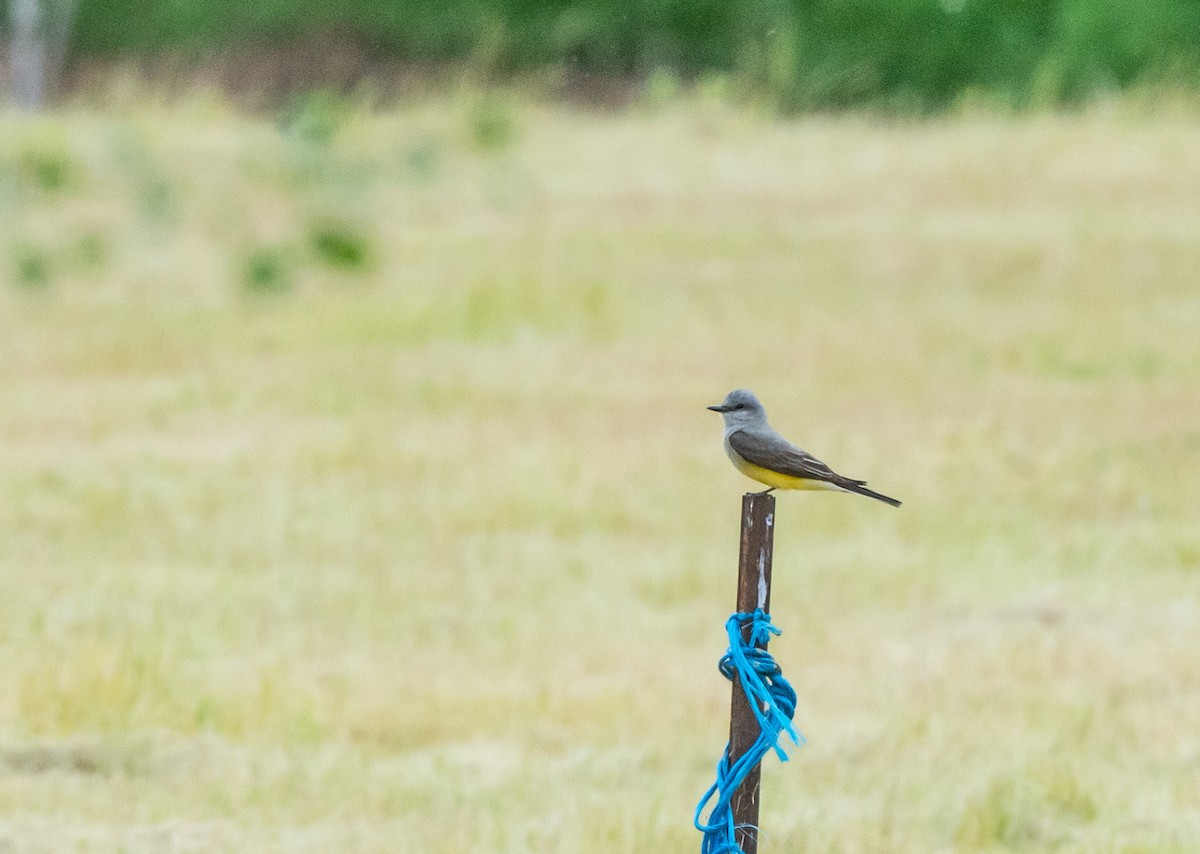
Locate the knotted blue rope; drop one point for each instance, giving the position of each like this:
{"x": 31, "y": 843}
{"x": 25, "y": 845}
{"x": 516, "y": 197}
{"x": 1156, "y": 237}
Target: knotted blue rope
{"x": 774, "y": 703}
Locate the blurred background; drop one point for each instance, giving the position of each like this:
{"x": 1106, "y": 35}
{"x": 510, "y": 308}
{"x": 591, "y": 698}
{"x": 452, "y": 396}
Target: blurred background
{"x": 357, "y": 491}
{"x": 911, "y": 56}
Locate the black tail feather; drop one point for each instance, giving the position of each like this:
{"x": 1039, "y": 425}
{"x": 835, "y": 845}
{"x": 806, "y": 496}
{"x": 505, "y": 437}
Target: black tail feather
{"x": 858, "y": 486}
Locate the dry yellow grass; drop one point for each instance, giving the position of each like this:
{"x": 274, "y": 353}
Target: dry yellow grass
{"x": 358, "y": 493}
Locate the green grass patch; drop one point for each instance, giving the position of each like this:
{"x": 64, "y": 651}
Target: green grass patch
{"x": 444, "y": 557}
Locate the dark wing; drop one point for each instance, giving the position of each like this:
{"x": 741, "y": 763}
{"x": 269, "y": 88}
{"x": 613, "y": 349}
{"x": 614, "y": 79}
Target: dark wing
{"x": 777, "y": 454}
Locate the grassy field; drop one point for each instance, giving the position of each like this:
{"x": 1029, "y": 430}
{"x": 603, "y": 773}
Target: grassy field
{"x": 357, "y": 492}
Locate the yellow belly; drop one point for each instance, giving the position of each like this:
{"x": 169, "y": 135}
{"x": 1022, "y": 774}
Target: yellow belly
{"x": 773, "y": 478}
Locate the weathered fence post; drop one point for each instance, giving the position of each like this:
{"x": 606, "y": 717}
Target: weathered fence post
{"x": 754, "y": 591}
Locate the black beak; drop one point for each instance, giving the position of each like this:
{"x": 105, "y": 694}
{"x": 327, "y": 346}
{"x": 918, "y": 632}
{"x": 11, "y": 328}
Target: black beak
{"x": 718, "y": 408}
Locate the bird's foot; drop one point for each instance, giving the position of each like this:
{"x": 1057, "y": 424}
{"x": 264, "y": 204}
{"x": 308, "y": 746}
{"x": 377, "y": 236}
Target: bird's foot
{"x": 766, "y": 491}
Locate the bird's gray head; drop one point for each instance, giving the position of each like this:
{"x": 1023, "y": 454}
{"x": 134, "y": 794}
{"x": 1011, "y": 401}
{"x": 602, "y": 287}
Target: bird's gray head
{"x": 741, "y": 407}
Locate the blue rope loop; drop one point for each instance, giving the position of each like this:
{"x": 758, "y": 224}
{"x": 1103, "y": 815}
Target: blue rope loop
{"x": 773, "y": 701}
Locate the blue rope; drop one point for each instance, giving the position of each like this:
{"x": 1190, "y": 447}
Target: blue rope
{"x": 774, "y": 703}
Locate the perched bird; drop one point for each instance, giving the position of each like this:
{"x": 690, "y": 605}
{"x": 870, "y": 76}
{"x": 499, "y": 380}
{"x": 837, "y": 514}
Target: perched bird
{"x": 761, "y": 454}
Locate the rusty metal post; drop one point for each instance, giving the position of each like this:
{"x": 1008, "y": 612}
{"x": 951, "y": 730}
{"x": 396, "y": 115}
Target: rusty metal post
{"x": 754, "y": 591}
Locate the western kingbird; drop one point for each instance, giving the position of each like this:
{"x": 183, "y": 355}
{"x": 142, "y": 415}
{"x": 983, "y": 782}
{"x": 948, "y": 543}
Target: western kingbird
{"x": 761, "y": 454}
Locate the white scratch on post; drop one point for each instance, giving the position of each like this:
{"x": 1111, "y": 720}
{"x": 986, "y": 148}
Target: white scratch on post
{"x": 762, "y": 579}
{"x": 762, "y": 567}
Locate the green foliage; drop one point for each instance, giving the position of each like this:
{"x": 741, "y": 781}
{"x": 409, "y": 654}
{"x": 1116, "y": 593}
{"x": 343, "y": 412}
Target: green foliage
{"x": 340, "y": 245}
{"x": 32, "y": 266}
{"x": 46, "y": 167}
{"x": 36, "y": 265}
{"x": 38, "y": 162}
{"x": 315, "y": 117}
{"x": 266, "y": 271}
{"x": 922, "y": 54}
